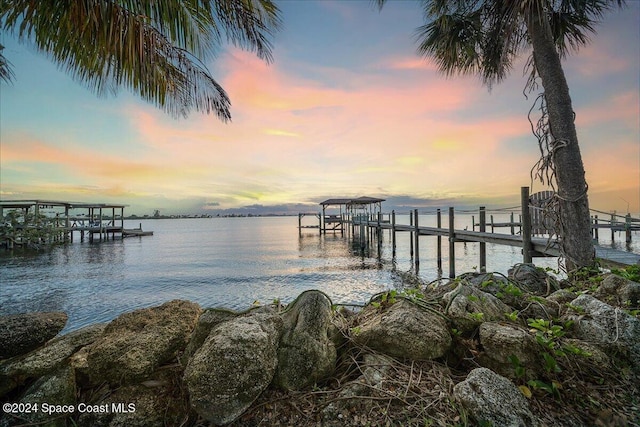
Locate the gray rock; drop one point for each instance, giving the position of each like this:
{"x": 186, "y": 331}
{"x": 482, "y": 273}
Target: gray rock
{"x": 562, "y": 296}
{"x": 610, "y": 328}
{"x": 619, "y": 291}
{"x": 55, "y": 388}
{"x": 207, "y": 320}
{"x": 501, "y": 342}
{"x": 533, "y": 279}
{"x": 376, "y": 370}
{"x": 306, "y": 353}
{"x": 136, "y": 343}
{"x": 21, "y": 333}
{"x": 15, "y": 371}
{"x": 491, "y": 398}
{"x": 156, "y": 402}
{"x": 540, "y": 308}
{"x": 234, "y": 366}
{"x": 468, "y": 307}
{"x": 404, "y": 330}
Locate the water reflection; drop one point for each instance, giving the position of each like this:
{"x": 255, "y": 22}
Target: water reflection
{"x": 223, "y": 262}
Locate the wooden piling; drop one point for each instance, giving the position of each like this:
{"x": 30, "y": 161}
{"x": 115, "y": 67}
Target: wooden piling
{"x": 439, "y": 255}
{"x": 526, "y": 226}
{"x": 393, "y": 234}
{"x": 452, "y": 250}
{"x": 411, "y": 236}
{"x": 511, "y": 223}
{"x": 417, "y": 231}
{"x": 483, "y": 246}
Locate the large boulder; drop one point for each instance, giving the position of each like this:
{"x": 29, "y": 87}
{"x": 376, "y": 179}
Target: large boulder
{"x": 493, "y": 400}
{"x": 21, "y": 333}
{"x": 610, "y": 328}
{"x": 468, "y": 306}
{"x": 40, "y": 362}
{"x": 234, "y": 365}
{"x": 136, "y": 343}
{"x": 404, "y": 330}
{"x": 508, "y": 347}
{"x": 306, "y": 353}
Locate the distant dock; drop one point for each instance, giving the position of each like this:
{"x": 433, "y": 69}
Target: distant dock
{"x": 34, "y": 223}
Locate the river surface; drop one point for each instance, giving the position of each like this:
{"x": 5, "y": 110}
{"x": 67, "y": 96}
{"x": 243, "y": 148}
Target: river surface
{"x": 228, "y": 262}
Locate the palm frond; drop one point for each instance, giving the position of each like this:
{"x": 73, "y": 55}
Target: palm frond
{"x": 572, "y": 21}
{"x": 153, "y": 48}
{"x": 6, "y": 72}
{"x": 484, "y": 37}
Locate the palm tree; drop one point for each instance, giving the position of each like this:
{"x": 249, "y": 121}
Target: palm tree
{"x": 154, "y": 48}
{"x": 484, "y": 37}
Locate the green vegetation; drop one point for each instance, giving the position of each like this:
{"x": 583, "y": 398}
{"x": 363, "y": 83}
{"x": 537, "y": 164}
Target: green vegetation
{"x": 631, "y": 272}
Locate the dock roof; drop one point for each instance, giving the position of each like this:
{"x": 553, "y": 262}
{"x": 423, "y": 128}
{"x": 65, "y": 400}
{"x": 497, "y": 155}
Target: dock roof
{"x": 56, "y": 203}
{"x": 364, "y": 200}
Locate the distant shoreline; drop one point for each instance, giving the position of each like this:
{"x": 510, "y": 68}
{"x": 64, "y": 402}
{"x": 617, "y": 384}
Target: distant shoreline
{"x": 184, "y": 216}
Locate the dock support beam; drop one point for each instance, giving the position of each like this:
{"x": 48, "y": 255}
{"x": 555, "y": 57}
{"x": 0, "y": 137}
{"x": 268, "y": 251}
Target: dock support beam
{"x": 411, "y": 236}
{"x": 439, "y": 238}
{"x": 526, "y": 226}
{"x": 417, "y": 250}
{"x": 393, "y": 234}
{"x": 483, "y": 246}
{"x": 452, "y": 247}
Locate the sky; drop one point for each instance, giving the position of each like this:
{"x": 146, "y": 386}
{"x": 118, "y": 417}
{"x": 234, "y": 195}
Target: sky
{"x": 347, "y": 109}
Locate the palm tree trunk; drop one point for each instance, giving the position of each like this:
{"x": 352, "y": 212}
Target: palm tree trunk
{"x": 575, "y": 232}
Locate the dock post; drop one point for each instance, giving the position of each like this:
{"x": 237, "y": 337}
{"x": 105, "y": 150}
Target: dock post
{"x": 511, "y": 223}
{"x": 299, "y": 224}
{"x": 452, "y": 249}
{"x": 595, "y": 229}
{"x": 379, "y": 237}
{"x": 417, "y": 250}
{"x": 526, "y": 226}
{"x": 627, "y": 227}
{"x": 492, "y": 227}
{"x": 473, "y": 223}
{"x": 393, "y": 234}
{"x": 483, "y": 245}
{"x": 411, "y": 235}
{"x": 439, "y": 238}
{"x": 612, "y": 223}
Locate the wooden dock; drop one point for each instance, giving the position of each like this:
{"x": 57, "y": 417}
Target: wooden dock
{"x": 367, "y": 226}
{"x": 42, "y": 222}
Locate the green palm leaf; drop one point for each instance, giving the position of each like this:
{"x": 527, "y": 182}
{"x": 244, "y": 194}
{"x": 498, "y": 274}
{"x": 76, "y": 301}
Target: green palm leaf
{"x": 156, "y": 49}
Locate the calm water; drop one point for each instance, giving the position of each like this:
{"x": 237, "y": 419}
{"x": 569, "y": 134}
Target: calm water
{"x": 223, "y": 262}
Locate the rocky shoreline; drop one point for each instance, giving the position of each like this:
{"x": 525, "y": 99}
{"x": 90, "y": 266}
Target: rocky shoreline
{"x": 483, "y": 349}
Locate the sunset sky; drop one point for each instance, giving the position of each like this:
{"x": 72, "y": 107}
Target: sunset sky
{"x": 347, "y": 108}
